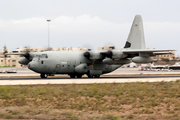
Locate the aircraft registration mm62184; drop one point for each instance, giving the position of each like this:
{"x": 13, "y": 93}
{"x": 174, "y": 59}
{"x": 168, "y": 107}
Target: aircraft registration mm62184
{"x": 95, "y": 62}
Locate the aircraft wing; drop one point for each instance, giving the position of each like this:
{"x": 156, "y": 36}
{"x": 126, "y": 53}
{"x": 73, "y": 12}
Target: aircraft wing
{"x": 28, "y": 55}
{"x": 15, "y": 53}
{"x": 151, "y": 52}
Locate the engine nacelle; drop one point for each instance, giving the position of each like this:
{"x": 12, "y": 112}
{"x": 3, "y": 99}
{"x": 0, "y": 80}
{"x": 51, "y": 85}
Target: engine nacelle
{"x": 24, "y": 61}
{"x": 108, "y": 61}
{"x": 143, "y": 59}
{"x": 118, "y": 54}
{"x": 82, "y": 68}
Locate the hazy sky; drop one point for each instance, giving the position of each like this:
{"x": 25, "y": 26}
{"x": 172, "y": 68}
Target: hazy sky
{"x": 87, "y": 23}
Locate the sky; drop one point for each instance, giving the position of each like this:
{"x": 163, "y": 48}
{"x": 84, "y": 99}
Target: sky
{"x": 87, "y": 23}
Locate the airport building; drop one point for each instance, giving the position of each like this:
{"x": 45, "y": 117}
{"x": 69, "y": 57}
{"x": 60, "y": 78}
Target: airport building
{"x": 70, "y": 49}
{"x": 9, "y": 61}
{"x": 166, "y": 56}
{"x": 108, "y": 47}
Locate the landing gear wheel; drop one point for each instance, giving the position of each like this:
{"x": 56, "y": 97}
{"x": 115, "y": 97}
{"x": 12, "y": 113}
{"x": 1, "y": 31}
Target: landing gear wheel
{"x": 96, "y": 76}
{"x": 72, "y": 76}
{"x": 90, "y": 76}
{"x": 43, "y": 75}
{"x": 79, "y": 76}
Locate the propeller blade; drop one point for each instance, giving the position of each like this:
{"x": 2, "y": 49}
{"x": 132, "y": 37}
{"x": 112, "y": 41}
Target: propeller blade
{"x": 109, "y": 54}
{"x": 87, "y": 55}
{"x": 27, "y": 55}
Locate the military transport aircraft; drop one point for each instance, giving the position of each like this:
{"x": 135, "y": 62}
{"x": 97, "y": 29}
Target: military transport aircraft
{"x": 95, "y": 62}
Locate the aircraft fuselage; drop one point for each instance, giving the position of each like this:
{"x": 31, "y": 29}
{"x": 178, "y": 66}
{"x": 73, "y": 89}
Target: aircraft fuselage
{"x": 68, "y": 62}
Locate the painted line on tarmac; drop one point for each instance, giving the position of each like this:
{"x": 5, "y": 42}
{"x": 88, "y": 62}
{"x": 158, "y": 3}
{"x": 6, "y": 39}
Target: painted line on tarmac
{"x": 81, "y": 81}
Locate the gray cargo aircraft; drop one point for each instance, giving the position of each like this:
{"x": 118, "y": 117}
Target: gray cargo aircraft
{"x": 93, "y": 63}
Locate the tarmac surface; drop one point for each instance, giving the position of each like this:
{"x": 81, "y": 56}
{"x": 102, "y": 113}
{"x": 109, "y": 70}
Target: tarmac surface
{"x": 25, "y": 77}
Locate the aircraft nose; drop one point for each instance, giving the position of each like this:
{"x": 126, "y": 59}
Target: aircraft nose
{"x": 33, "y": 66}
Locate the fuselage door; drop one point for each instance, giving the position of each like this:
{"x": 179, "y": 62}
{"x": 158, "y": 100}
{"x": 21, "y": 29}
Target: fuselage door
{"x": 57, "y": 69}
{"x": 71, "y": 66}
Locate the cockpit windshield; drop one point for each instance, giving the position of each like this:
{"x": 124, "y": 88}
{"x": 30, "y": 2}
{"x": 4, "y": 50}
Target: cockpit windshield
{"x": 40, "y": 56}
{"x": 44, "y": 56}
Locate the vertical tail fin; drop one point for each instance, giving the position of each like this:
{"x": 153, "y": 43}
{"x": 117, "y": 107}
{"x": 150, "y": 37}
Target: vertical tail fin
{"x": 136, "y": 36}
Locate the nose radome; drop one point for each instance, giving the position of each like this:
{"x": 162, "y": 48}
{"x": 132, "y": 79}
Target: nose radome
{"x": 32, "y": 66}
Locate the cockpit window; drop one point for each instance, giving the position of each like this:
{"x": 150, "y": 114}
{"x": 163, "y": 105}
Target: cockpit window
{"x": 44, "y": 56}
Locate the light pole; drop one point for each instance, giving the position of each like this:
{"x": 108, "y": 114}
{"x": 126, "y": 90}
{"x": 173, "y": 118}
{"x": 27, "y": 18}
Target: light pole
{"x": 48, "y": 34}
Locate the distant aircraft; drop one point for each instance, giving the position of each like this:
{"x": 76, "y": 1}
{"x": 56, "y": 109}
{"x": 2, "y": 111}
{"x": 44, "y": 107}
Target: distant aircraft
{"x": 92, "y": 63}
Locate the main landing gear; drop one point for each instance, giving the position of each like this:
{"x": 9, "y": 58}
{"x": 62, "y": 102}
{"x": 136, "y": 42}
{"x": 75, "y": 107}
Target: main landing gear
{"x": 43, "y": 75}
{"x": 78, "y": 76}
{"x": 72, "y": 75}
{"x": 93, "y": 76}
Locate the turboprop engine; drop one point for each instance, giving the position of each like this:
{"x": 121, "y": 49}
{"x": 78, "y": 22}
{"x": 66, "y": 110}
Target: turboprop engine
{"x": 143, "y": 59}
{"x": 24, "y": 61}
{"x": 82, "y": 68}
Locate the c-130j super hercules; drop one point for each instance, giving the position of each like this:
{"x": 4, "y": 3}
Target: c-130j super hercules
{"x": 92, "y": 63}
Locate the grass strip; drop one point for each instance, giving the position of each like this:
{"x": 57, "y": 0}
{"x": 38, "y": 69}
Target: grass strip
{"x": 159, "y": 100}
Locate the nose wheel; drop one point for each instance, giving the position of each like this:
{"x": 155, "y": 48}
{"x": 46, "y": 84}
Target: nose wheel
{"x": 43, "y": 75}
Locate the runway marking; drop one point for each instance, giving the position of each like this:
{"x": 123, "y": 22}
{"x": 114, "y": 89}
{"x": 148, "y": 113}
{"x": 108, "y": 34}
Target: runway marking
{"x": 33, "y": 81}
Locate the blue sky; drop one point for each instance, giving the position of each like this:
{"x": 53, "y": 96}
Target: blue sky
{"x": 89, "y": 23}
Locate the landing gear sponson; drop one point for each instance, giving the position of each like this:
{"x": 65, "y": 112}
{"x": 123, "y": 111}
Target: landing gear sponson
{"x": 74, "y": 76}
{"x": 80, "y": 76}
{"x": 42, "y": 75}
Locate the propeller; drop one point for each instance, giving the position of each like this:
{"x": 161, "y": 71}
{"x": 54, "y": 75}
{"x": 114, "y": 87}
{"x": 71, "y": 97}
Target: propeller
{"x": 27, "y": 55}
{"x": 109, "y": 54}
{"x": 87, "y": 55}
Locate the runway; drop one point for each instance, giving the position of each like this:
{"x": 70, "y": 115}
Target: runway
{"x": 122, "y": 75}
{"x": 67, "y": 80}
